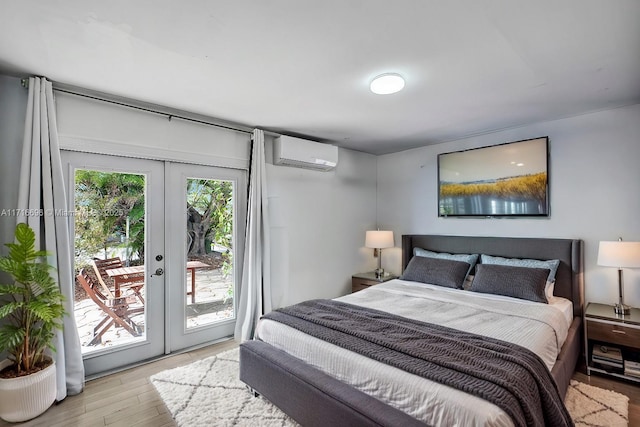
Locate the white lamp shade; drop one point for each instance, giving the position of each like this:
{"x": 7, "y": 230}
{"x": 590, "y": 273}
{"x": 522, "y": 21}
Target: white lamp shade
{"x": 379, "y": 239}
{"x": 619, "y": 254}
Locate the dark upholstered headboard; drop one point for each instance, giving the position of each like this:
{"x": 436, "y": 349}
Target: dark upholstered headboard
{"x": 569, "y": 277}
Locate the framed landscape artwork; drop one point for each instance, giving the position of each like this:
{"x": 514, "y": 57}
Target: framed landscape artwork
{"x": 506, "y": 180}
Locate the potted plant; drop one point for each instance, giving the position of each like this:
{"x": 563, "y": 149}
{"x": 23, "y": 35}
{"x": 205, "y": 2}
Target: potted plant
{"x": 31, "y": 311}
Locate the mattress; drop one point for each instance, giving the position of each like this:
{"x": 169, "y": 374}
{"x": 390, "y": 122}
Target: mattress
{"x": 541, "y": 328}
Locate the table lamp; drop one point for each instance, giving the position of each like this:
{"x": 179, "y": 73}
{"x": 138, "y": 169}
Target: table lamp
{"x": 621, "y": 255}
{"x": 378, "y": 240}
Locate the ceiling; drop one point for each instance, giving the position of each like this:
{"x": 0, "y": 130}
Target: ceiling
{"x": 303, "y": 67}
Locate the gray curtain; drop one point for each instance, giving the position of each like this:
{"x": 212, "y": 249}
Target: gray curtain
{"x": 42, "y": 189}
{"x": 255, "y": 291}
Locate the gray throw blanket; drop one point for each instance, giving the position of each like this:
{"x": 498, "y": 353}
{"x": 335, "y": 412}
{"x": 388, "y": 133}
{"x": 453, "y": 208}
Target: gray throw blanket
{"x": 507, "y": 375}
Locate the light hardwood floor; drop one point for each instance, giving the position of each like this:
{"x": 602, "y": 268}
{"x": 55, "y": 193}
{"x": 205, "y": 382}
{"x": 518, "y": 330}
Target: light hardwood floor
{"x": 124, "y": 399}
{"x": 128, "y": 399}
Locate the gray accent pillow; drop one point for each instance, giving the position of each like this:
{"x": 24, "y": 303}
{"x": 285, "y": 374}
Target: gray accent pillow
{"x": 517, "y": 282}
{"x": 470, "y": 259}
{"x": 551, "y": 265}
{"x": 436, "y": 271}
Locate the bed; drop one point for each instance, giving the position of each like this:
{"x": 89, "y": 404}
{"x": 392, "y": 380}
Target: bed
{"x": 322, "y": 384}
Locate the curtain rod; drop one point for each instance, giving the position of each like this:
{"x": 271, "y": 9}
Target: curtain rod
{"x": 151, "y": 108}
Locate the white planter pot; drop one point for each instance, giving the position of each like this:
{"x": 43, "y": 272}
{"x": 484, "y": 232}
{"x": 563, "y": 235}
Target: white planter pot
{"x": 24, "y": 398}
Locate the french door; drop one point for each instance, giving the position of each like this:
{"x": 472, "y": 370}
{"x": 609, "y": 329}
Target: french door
{"x": 156, "y": 255}
{"x": 205, "y": 227}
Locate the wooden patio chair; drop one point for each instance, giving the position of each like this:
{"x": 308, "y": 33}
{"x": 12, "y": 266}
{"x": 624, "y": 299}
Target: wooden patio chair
{"x": 116, "y": 310}
{"x": 134, "y": 281}
{"x": 100, "y": 266}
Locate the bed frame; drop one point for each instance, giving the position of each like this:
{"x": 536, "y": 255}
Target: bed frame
{"x": 313, "y": 398}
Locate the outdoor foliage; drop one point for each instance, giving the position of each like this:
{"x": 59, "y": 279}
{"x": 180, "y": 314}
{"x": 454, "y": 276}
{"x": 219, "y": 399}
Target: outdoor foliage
{"x": 209, "y": 214}
{"x": 32, "y": 305}
{"x": 105, "y": 201}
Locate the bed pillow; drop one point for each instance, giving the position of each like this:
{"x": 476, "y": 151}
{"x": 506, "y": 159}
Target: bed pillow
{"x": 470, "y": 259}
{"x": 517, "y": 282}
{"x": 548, "y": 289}
{"x": 551, "y": 265}
{"x": 436, "y": 271}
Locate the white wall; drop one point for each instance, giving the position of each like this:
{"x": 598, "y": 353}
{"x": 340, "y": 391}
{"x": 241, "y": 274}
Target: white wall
{"x": 13, "y": 107}
{"x": 594, "y": 192}
{"x": 319, "y": 221}
{"x": 96, "y": 126}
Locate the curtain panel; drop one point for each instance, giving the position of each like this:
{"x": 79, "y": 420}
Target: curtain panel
{"x": 255, "y": 291}
{"x": 42, "y": 189}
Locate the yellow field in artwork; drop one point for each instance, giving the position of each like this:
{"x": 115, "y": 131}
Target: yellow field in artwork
{"x": 525, "y": 186}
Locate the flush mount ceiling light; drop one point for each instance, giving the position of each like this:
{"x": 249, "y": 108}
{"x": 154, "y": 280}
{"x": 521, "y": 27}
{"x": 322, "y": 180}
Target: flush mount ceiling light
{"x": 387, "y": 83}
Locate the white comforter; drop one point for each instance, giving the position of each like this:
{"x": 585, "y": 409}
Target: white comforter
{"x": 541, "y": 328}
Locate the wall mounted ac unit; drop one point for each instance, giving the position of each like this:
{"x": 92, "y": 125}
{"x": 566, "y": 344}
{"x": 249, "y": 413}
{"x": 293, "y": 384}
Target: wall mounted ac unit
{"x": 301, "y": 153}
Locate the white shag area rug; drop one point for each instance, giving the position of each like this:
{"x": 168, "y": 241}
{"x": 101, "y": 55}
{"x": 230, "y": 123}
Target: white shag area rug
{"x": 594, "y": 406}
{"x": 209, "y": 393}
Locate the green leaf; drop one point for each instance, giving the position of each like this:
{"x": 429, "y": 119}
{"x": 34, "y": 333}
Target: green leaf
{"x": 32, "y": 303}
{"x": 11, "y": 290}
{"x": 44, "y": 311}
{"x": 11, "y": 337}
{"x": 10, "y": 308}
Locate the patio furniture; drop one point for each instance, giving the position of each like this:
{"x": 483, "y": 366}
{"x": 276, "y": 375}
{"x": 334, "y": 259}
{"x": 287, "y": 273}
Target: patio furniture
{"x": 191, "y": 266}
{"x": 134, "y": 276}
{"x": 116, "y": 310}
{"x": 99, "y": 267}
{"x": 112, "y": 269}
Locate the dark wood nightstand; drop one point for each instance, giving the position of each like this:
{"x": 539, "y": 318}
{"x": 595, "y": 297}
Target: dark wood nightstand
{"x": 362, "y": 281}
{"x": 606, "y": 331}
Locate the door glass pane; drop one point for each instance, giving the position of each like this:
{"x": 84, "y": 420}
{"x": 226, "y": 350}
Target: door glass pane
{"x": 209, "y": 293}
{"x": 109, "y": 224}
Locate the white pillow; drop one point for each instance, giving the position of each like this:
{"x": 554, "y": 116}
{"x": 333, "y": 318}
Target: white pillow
{"x": 548, "y": 289}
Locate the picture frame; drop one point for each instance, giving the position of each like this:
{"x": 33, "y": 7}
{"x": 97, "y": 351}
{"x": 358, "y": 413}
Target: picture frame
{"x": 504, "y": 180}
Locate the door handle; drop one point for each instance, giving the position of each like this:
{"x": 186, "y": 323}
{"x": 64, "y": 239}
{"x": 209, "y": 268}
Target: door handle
{"x": 159, "y": 272}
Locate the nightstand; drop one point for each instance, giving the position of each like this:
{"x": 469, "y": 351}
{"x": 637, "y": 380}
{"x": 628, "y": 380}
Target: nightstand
{"x": 604, "y": 333}
{"x": 362, "y": 281}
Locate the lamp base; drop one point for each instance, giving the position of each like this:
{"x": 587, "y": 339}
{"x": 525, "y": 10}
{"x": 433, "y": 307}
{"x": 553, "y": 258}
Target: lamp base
{"x": 622, "y": 309}
{"x": 379, "y": 272}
